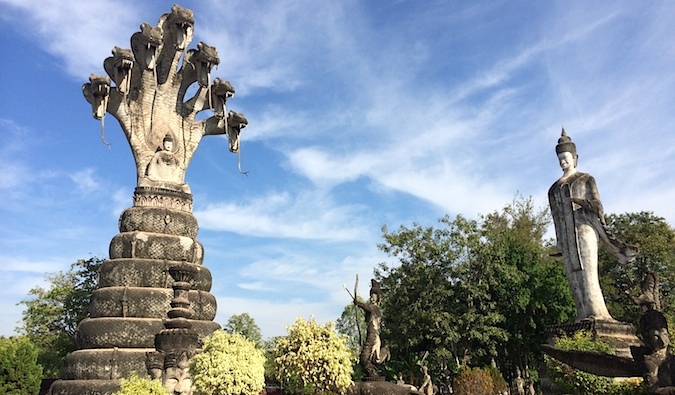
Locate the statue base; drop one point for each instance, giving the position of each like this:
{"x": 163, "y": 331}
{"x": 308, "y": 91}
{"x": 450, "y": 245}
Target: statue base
{"x": 619, "y": 335}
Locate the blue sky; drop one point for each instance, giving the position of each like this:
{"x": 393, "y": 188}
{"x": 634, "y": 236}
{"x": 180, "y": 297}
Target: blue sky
{"x": 361, "y": 114}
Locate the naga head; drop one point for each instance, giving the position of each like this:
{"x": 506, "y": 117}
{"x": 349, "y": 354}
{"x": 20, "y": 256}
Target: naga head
{"x": 220, "y": 92}
{"x": 202, "y": 61}
{"x": 179, "y": 25}
{"x": 97, "y": 91}
{"x": 146, "y": 44}
{"x": 119, "y": 68}
{"x": 235, "y": 123}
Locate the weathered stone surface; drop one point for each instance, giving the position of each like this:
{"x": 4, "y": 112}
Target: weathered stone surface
{"x": 147, "y": 273}
{"x": 105, "y": 364}
{"x": 147, "y": 302}
{"x": 130, "y": 332}
{"x": 159, "y": 220}
{"x": 156, "y": 108}
{"x": 85, "y": 387}
{"x": 145, "y": 245}
{"x": 580, "y": 226}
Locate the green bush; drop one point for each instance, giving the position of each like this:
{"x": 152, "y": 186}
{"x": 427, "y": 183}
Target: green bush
{"x": 20, "y": 373}
{"x": 477, "y": 381}
{"x": 574, "y": 381}
{"x": 135, "y": 385}
{"x": 313, "y": 359}
{"x": 229, "y": 364}
{"x": 633, "y": 386}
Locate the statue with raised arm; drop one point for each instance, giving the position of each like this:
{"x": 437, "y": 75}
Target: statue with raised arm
{"x": 372, "y": 352}
{"x": 579, "y": 227}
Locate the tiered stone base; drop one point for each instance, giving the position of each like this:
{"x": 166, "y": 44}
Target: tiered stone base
{"x": 135, "y": 290}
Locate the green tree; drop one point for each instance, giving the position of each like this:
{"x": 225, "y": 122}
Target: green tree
{"x": 20, "y": 373}
{"x": 51, "y": 315}
{"x": 229, "y": 364}
{"x": 352, "y": 323}
{"x": 471, "y": 291}
{"x": 529, "y": 288}
{"x": 244, "y": 325}
{"x": 313, "y": 359}
{"x": 656, "y": 239}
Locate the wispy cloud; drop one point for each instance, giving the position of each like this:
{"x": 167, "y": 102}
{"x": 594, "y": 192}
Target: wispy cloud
{"x": 308, "y": 215}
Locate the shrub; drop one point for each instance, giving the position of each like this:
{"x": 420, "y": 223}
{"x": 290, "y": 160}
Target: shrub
{"x": 575, "y": 381}
{"x": 20, "y": 373}
{"x": 313, "y": 359}
{"x": 135, "y": 385}
{"x": 477, "y": 381}
{"x": 229, "y": 364}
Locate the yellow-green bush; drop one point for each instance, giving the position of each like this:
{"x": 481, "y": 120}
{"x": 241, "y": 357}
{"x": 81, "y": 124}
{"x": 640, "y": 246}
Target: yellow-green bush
{"x": 229, "y": 364}
{"x": 313, "y": 359}
{"x": 135, "y": 385}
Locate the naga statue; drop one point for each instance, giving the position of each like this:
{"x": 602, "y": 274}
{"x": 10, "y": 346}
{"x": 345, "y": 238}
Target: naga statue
{"x": 155, "y": 268}
{"x": 149, "y": 97}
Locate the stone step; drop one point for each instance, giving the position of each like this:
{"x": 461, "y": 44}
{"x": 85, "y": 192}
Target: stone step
{"x": 146, "y": 245}
{"x": 147, "y": 302}
{"x": 130, "y": 332}
{"x": 153, "y": 273}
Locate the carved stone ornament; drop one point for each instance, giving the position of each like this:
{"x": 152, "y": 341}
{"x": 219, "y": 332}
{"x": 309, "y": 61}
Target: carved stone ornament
{"x": 152, "y": 306}
{"x": 149, "y": 99}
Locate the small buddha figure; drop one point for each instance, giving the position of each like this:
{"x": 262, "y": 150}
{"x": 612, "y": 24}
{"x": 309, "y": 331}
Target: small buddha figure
{"x": 164, "y": 166}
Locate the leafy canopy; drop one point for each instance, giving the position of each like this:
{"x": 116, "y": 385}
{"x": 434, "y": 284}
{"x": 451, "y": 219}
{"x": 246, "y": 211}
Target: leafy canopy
{"x": 51, "y": 315}
{"x": 20, "y": 373}
{"x": 470, "y": 291}
{"x": 244, "y": 325}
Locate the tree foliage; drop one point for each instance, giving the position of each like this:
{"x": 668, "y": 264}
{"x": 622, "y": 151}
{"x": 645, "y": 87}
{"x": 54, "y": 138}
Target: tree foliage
{"x": 244, "y": 325}
{"x": 352, "y": 324}
{"x": 20, "y": 373}
{"x": 576, "y": 381}
{"x": 470, "y": 291}
{"x": 135, "y": 385}
{"x": 51, "y": 315}
{"x": 656, "y": 239}
{"x": 313, "y": 359}
{"x": 229, "y": 364}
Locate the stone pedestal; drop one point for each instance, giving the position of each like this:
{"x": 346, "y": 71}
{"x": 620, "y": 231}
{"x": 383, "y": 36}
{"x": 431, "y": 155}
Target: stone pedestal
{"x": 135, "y": 294}
{"x": 621, "y": 336}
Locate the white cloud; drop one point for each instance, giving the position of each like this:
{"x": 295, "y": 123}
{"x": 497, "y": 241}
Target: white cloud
{"x": 309, "y": 215}
{"x": 84, "y": 180}
{"x": 80, "y": 32}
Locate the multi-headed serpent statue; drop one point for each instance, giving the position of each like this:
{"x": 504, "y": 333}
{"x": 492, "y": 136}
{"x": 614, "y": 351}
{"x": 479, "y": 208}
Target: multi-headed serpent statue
{"x": 153, "y": 303}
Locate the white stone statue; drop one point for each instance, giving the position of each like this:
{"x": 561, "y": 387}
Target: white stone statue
{"x": 579, "y": 225}
{"x": 164, "y": 166}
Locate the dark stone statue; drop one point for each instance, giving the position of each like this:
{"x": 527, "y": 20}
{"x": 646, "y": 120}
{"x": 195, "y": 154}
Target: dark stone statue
{"x": 372, "y": 352}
